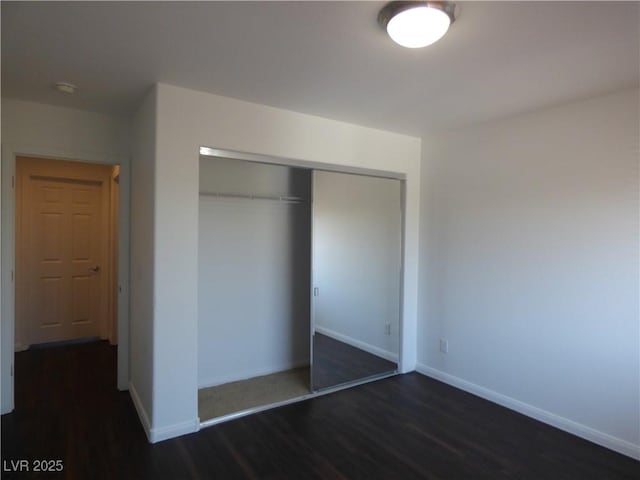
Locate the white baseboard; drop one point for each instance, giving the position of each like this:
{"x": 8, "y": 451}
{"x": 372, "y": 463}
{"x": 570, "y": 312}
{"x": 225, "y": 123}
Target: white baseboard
{"x": 216, "y": 380}
{"x": 175, "y": 430}
{"x": 367, "y": 347}
{"x": 604, "y": 439}
{"x": 142, "y": 413}
{"x": 164, "y": 433}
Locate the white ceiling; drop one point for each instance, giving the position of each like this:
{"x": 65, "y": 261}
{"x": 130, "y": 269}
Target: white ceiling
{"x": 325, "y": 58}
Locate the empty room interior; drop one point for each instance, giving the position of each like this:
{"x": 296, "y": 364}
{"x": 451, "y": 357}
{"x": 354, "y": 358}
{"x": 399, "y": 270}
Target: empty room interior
{"x": 320, "y": 239}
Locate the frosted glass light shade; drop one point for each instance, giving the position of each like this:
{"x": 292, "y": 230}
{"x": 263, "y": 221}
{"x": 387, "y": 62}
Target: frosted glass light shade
{"x": 418, "y": 27}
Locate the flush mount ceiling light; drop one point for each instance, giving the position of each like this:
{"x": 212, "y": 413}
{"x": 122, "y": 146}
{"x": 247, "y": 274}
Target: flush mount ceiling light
{"x": 416, "y": 24}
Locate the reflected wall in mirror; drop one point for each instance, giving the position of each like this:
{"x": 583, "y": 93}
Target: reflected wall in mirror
{"x": 356, "y": 265}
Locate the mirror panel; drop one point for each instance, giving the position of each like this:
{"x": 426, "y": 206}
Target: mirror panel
{"x": 356, "y": 264}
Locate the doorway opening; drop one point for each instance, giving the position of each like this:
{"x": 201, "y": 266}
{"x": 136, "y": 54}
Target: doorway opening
{"x": 66, "y": 253}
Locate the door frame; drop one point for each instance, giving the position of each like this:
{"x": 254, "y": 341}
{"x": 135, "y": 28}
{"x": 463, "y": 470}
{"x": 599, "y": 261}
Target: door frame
{"x": 84, "y": 173}
{"x": 8, "y": 258}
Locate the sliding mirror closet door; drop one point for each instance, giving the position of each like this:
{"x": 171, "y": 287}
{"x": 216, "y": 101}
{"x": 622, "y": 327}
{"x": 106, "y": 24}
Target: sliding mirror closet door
{"x": 356, "y": 263}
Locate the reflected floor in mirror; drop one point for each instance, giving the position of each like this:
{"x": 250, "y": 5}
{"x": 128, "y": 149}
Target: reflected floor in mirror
{"x": 335, "y": 363}
{"x": 214, "y": 402}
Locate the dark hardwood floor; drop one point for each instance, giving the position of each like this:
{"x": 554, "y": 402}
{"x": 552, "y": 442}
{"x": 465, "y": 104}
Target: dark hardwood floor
{"x": 403, "y": 427}
{"x": 335, "y": 363}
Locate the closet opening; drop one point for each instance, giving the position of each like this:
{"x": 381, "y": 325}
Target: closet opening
{"x": 299, "y": 282}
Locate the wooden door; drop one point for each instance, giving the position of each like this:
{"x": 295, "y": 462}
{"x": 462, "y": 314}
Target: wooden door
{"x": 62, "y": 274}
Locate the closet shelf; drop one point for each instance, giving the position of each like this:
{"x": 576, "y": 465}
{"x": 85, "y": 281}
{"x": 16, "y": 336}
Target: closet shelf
{"x": 251, "y": 196}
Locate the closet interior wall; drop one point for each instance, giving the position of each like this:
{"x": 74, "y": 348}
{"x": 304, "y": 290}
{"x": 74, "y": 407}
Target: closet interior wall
{"x": 253, "y": 270}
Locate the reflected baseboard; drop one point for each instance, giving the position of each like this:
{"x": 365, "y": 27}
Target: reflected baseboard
{"x": 372, "y": 349}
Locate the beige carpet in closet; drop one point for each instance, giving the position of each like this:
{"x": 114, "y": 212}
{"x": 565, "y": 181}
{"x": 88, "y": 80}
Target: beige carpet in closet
{"x": 251, "y": 393}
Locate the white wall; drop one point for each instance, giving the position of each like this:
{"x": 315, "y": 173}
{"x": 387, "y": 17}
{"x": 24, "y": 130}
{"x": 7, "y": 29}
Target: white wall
{"x": 64, "y": 130}
{"x": 143, "y": 189}
{"x": 530, "y": 265}
{"x": 188, "y": 119}
{"x": 44, "y": 130}
{"x": 253, "y": 271}
{"x": 357, "y": 235}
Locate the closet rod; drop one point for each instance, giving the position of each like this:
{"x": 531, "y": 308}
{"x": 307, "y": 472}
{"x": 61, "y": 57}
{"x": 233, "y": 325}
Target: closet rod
{"x": 251, "y": 196}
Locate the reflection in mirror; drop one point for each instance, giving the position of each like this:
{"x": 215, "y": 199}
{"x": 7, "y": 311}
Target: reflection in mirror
{"x": 356, "y": 260}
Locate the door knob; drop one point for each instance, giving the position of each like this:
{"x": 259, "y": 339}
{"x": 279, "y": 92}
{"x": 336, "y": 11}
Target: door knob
{"x": 95, "y": 269}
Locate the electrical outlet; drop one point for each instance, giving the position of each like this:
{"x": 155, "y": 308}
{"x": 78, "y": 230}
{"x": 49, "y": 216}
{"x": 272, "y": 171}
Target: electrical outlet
{"x": 387, "y": 328}
{"x": 444, "y": 345}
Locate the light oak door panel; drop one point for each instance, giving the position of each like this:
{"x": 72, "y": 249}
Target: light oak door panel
{"x": 63, "y": 235}
{"x": 44, "y": 249}
{"x": 86, "y": 242}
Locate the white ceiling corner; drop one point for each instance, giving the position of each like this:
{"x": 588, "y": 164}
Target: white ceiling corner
{"x": 324, "y": 58}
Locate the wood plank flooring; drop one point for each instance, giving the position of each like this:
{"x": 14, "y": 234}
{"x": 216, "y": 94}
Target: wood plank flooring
{"x": 335, "y": 363}
{"x": 403, "y": 427}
